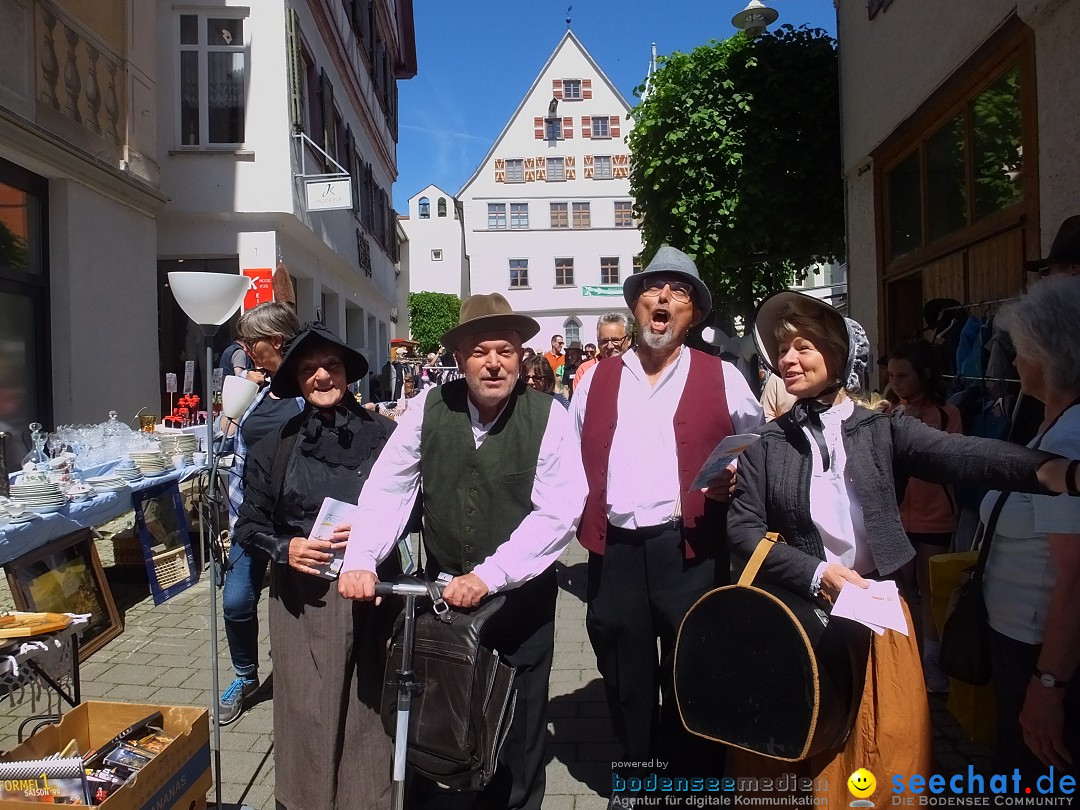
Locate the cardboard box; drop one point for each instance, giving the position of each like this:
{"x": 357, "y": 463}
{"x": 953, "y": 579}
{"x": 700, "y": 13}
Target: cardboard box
{"x": 179, "y": 777}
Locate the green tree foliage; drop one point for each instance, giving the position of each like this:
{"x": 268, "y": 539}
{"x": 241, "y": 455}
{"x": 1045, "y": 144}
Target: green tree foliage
{"x": 430, "y": 315}
{"x": 735, "y": 159}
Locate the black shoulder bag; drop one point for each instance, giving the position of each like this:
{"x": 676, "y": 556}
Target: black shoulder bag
{"x": 965, "y": 639}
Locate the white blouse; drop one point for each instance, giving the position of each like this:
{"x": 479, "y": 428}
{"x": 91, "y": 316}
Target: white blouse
{"x": 834, "y": 506}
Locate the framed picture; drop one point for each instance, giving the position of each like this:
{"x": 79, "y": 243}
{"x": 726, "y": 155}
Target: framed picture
{"x": 65, "y": 576}
{"x": 165, "y": 539}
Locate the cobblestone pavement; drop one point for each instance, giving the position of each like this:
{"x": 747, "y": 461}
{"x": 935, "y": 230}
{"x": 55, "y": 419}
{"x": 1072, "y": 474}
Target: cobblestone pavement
{"x": 163, "y": 656}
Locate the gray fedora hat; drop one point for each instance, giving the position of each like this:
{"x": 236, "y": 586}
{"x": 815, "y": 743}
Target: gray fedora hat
{"x": 671, "y": 262}
{"x": 488, "y": 313}
{"x": 285, "y": 383}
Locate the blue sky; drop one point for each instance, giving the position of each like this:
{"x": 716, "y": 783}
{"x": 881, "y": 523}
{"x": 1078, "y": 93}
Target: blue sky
{"x": 478, "y": 58}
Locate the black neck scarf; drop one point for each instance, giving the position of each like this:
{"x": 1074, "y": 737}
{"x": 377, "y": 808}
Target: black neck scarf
{"x": 807, "y": 413}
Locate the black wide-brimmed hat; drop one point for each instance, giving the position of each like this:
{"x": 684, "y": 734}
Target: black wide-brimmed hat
{"x": 285, "y": 383}
{"x": 670, "y": 262}
{"x": 1065, "y": 248}
{"x": 488, "y": 313}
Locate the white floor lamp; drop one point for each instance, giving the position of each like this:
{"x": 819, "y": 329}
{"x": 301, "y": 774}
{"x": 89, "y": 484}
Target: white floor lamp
{"x": 209, "y": 299}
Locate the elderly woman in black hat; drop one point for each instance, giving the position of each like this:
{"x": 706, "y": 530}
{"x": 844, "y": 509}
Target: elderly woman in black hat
{"x": 330, "y": 750}
{"x": 822, "y": 476}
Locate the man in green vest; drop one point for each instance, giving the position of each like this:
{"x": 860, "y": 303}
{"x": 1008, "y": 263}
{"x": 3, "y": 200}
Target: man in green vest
{"x": 503, "y": 487}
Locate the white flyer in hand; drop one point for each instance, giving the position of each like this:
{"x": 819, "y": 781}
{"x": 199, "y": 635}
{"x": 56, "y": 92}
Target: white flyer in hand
{"x": 877, "y": 607}
{"x": 333, "y": 513}
{"x": 721, "y": 456}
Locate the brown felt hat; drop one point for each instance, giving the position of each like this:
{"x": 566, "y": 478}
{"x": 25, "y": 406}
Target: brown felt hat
{"x": 488, "y": 313}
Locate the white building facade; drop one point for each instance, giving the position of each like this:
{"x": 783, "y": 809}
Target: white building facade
{"x": 254, "y": 98}
{"x": 78, "y": 201}
{"x": 548, "y": 214}
{"x": 959, "y": 148}
{"x": 436, "y": 258}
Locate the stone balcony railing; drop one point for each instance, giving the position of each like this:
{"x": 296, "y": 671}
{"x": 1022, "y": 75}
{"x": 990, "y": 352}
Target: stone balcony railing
{"x": 78, "y": 74}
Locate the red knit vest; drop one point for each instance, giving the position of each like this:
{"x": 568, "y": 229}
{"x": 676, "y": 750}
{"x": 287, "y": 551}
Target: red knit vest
{"x": 701, "y": 421}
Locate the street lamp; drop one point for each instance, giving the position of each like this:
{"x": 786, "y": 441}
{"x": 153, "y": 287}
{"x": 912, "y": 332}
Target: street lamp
{"x": 209, "y": 299}
{"x": 755, "y": 18}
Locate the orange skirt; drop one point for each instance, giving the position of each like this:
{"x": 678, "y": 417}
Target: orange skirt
{"x": 891, "y": 734}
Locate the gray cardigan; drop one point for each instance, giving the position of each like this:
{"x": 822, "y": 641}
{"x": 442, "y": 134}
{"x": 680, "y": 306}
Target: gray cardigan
{"x": 772, "y": 492}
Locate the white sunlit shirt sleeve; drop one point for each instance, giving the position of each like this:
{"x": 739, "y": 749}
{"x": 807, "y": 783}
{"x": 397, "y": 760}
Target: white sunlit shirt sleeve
{"x": 387, "y": 499}
{"x": 558, "y": 498}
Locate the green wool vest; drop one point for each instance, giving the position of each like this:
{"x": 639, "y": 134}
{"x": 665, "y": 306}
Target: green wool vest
{"x": 475, "y": 497}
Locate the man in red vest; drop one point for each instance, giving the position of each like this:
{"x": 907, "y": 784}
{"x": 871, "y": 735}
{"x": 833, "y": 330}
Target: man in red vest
{"x": 647, "y": 420}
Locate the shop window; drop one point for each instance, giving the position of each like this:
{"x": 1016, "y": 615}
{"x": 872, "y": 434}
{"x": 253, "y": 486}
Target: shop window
{"x": 905, "y": 233}
{"x": 946, "y": 190}
{"x": 998, "y": 150}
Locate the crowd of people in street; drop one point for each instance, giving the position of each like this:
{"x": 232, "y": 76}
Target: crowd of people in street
{"x": 509, "y": 462}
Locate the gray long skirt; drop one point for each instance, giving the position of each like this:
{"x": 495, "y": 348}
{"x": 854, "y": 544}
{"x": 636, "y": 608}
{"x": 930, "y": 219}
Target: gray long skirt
{"x": 330, "y": 750}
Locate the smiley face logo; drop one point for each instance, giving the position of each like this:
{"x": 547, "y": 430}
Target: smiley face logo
{"x": 861, "y": 783}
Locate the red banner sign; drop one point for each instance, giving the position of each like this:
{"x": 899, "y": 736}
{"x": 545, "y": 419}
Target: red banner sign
{"x": 262, "y": 287}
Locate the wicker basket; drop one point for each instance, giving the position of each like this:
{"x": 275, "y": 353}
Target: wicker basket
{"x": 171, "y": 567}
{"x": 127, "y": 551}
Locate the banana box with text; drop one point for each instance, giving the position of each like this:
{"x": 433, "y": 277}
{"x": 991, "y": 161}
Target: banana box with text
{"x": 177, "y": 777}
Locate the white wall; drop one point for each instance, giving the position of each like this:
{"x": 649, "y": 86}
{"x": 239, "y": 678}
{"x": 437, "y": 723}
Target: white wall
{"x": 490, "y": 250}
{"x": 104, "y": 306}
{"x": 427, "y": 235}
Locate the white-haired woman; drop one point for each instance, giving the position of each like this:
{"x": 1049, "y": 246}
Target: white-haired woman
{"x": 1032, "y": 578}
{"x": 822, "y": 476}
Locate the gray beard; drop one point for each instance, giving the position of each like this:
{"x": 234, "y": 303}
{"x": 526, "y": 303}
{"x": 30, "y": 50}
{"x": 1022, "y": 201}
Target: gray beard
{"x": 655, "y": 341}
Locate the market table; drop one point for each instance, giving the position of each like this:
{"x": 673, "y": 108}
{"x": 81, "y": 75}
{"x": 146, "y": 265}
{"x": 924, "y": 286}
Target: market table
{"x": 18, "y": 539}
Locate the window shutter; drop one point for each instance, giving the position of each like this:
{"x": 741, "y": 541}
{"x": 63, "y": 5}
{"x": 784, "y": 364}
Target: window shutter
{"x": 326, "y": 102}
{"x": 354, "y": 167}
{"x": 586, "y": 126}
{"x": 538, "y": 128}
{"x": 556, "y": 88}
{"x": 586, "y": 88}
{"x": 568, "y": 128}
{"x": 296, "y": 71}
{"x": 614, "y": 126}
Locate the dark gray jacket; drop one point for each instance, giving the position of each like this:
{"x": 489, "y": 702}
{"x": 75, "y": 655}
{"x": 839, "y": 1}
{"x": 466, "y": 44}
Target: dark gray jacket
{"x": 773, "y": 487}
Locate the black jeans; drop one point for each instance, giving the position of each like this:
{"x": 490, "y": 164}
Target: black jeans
{"x": 1013, "y": 664}
{"x": 639, "y": 590}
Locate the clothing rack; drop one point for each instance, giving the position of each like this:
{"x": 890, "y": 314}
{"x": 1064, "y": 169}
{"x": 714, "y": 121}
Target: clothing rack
{"x": 980, "y": 304}
{"x": 979, "y": 379}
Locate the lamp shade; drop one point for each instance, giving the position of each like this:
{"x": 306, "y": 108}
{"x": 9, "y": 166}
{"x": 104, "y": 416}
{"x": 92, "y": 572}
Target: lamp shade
{"x": 209, "y": 298}
{"x": 236, "y": 394}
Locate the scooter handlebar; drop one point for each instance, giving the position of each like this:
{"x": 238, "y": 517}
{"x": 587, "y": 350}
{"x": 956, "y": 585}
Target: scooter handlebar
{"x": 407, "y": 586}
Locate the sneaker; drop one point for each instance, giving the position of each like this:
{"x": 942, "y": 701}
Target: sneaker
{"x": 231, "y": 703}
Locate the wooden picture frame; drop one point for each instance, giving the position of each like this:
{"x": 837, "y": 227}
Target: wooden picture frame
{"x": 65, "y": 576}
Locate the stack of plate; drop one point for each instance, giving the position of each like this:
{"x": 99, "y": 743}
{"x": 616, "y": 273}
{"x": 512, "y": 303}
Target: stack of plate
{"x": 41, "y": 498}
{"x": 106, "y": 483}
{"x": 129, "y": 475}
{"x": 182, "y": 444}
{"x": 150, "y": 463}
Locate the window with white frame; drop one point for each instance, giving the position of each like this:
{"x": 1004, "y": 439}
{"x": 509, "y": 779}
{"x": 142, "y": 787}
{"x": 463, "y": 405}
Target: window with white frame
{"x": 519, "y": 272}
{"x": 559, "y": 217}
{"x": 519, "y": 216}
{"x": 556, "y": 168}
{"x": 602, "y": 167}
{"x": 582, "y": 217}
{"x": 213, "y": 68}
{"x": 515, "y": 170}
{"x": 571, "y": 89}
{"x": 601, "y": 126}
{"x": 496, "y": 216}
{"x": 572, "y": 330}
{"x": 609, "y": 270}
{"x": 624, "y": 214}
{"x": 564, "y": 272}
{"x": 553, "y": 129}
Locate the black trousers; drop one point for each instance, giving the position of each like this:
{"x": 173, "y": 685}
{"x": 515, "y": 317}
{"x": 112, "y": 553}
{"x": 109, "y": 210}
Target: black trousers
{"x": 638, "y": 592}
{"x": 1013, "y": 663}
{"x": 523, "y": 632}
